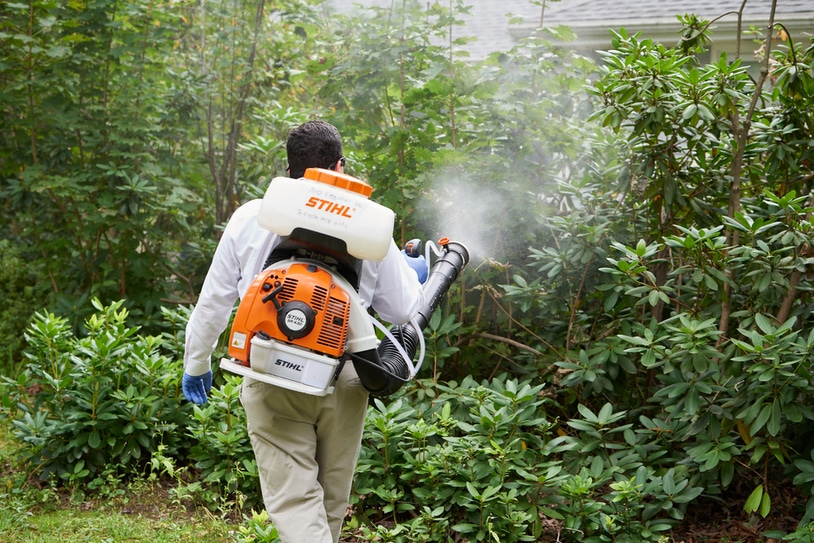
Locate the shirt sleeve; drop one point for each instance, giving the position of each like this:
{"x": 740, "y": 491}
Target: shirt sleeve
{"x": 397, "y": 295}
{"x": 239, "y": 257}
{"x": 214, "y": 308}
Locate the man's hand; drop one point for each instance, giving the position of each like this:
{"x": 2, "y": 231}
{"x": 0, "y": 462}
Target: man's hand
{"x": 412, "y": 253}
{"x": 419, "y": 265}
{"x": 196, "y": 387}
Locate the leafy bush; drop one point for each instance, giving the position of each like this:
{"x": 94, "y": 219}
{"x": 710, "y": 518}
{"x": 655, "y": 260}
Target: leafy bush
{"x": 694, "y": 319}
{"x": 624, "y": 483}
{"x": 85, "y": 405}
{"x": 487, "y": 461}
{"x": 108, "y": 405}
{"x": 91, "y": 174}
{"x": 467, "y": 460}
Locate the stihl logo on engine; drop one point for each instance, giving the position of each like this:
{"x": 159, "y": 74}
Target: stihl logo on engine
{"x": 329, "y": 207}
{"x": 295, "y": 320}
{"x": 288, "y": 365}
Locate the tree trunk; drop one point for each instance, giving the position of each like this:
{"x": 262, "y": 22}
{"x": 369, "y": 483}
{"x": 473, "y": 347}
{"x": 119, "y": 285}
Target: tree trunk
{"x": 741, "y": 132}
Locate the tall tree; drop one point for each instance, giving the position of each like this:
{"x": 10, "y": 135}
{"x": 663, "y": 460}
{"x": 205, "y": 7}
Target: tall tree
{"x": 90, "y": 148}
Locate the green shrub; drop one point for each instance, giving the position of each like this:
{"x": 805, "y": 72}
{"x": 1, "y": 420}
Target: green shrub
{"x": 86, "y": 405}
{"x": 465, "y": 459}
{"x": 624, "y": 484}
{"x": 487, "y": 461}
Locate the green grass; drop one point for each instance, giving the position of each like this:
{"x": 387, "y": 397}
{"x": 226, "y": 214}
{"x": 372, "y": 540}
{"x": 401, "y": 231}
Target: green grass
{"x": 102, "y": 525}
{"x": 140, "y": 511}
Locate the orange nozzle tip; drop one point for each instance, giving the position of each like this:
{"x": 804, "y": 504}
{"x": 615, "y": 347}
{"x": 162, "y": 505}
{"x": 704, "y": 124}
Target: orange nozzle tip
{"x": 444, "y": 241}
{"x": 339, "y": 180}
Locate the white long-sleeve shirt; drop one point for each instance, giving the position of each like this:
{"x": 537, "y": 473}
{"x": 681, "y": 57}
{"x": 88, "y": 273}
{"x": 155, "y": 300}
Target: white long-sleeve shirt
{"x": 389, "y": 285}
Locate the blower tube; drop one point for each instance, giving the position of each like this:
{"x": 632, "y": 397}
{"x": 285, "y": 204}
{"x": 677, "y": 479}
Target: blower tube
{"x": 384, "y": 371}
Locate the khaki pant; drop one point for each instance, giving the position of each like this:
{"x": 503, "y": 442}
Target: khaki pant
{"x": 306, "y": 449}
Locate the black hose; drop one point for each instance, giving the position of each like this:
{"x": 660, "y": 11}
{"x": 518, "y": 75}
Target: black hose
{"x": 384, "y": 371}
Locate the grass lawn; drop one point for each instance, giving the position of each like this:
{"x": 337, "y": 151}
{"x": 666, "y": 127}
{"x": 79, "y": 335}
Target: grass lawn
{"x": 103, "y": 525}
{"x": 141, "y": 511}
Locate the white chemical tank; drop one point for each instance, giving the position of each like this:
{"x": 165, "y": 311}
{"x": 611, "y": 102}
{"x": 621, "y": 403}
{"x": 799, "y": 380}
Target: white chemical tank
{"x": 331, "y": 203}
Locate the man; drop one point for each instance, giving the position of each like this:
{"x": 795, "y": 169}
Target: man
{"x": 306, "y": 446}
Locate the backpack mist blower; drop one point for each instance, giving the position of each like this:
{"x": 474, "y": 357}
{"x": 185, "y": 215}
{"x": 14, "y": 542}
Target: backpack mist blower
{"x": 301, "y": 319}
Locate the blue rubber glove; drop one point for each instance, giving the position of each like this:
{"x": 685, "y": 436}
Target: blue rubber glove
{"x": 419, "y": 265}
{"x": 196, "y": 387}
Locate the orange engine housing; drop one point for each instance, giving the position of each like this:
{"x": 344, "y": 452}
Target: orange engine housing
{"x": 297, "y": 303}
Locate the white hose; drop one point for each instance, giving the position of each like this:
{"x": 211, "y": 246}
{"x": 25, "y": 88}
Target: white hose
{"x": 400, "y": 348}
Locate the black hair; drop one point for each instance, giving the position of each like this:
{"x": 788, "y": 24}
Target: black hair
{"x": 315, "y": 144}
